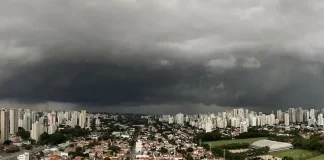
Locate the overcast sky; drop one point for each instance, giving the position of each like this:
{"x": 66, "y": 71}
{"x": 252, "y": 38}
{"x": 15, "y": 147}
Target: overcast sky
{"x": 162, "y": 55}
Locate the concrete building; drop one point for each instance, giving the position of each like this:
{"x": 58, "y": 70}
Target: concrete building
{"x": 4, "y": 125}
{"x": 83, "y": 118}
{"x": 13, "y": 123}
{"x": 286, "y": 119}
{"x": 37, "y": 130}
{"x": 279, "y": 115}
{"x": 138, "y": 146}
{"x": 292, "y": 115}
{"x": 299, "y": 114}
{"x": 243, "y": 127}
{"x": 320, "y": 121}
{"x": 209, "y": 125}
{"x": 179, "y": 118}
{"x": 24, "y": 156}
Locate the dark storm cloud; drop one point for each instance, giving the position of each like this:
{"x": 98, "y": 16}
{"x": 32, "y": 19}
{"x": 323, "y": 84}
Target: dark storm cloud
{"x": 148, "y": 53}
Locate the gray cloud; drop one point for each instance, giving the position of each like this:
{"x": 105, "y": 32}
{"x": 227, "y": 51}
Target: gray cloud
{"x": 149, "y": 52}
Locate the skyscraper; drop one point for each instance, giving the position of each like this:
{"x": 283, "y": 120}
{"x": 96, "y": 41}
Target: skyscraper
{"x": 306, "y": 115}
{"x": 13, "y": 121}
{"x": 320, "y": 120}
{"x": 82, "y": 118}
{"x": 292, "y": 115}
{"x": 286, "y": 119}
{"x": 37, "y": 130}
{"x": 4, "y": 125}
{"x": 312, "y": 114}
{"x": 179, "y": 118}
{"x": 299, "y": 114}
{"x": 279, "y": 115}
{"x": 243, "y": 127}
{"x": 209, "y": 125}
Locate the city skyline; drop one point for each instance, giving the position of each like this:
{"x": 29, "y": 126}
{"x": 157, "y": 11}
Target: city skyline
{"x": 161, "y": 56}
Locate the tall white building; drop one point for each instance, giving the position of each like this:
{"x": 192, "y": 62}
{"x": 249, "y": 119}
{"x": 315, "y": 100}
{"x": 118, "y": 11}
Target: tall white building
{"x": 26, "y": 124}
{"x": 286, "y": 119}
{"x": 209, "y": 126}
{"x": 24, "y": 156}
{"x": 292, "y": 115}
{"x": 243, "y": 127}
{"x": 320, "y": 119}
{"x": 252, "y": 120}
{"x": 246, "y": 114}
{"x": 89, "y": 119}
{"x": 82, "y": 118}
{"x": 312, "y": 114}
{"x": 179, "y": 118}
{"x": 240, "y": 113}
{"x": 4, "y": 125}
{"x": 299, "y": 114}
{"x": 13, "y": 114}
{"x": 235, "y": 113}
{"x": 279, "y": 115}
{"x": 37, "y": 130}
{"x": 138, "y": 146}
{"x": 51, "y": 129}
{"x": 306, "y": 115}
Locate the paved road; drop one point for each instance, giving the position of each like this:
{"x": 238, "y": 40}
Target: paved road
{"x": 13, "y": 156}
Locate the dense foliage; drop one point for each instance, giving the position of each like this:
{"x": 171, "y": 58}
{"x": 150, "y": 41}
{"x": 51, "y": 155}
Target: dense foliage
{"x": 314, "y": 143}
{"x": 23, "y": 133}
{"x": 280, "y": 138}
{"x": 62, "y": 135}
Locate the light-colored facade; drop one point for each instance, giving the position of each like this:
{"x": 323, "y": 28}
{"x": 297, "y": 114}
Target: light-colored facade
{"x": 138, "y": 146}
{"x": 13, "y": 121}
{"x": 24, "y": 156}
{"x": 286, "y": 119}
{"x": 82, "y": 118}
{"x": 37, "y": 130}
{"x": 4, "y": 125}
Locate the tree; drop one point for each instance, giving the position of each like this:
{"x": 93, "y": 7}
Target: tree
{"x": 114, "y": 149}
{"x": 72, "y": 154}
{"x": 189, "y": 149}
{"x": 23, "y": 133}
{"x": 7, "y": 142}
{"x": 28, "y": 147}
{"x": 163, "y": 150}
{"x": 287, "y": 158}
{"x": 57, "y": 138}
{"x": 206, "y": 146}
{"x": 44, "y": 138}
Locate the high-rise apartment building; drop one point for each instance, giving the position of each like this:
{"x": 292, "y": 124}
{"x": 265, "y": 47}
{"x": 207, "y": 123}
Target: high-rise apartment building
{"x": 4, "y": 116}
{"x": 179, "y": 118}
{"x": 286, "y": 119}
{"x": 82, "y": 118}
{"x": 299, "y": 114}
{"x": 243, "y": 127}
{"x": 279, "y": 115}
{"x": 13, "y": 114}
{"x": 37, "y": 130}
{"x": 292, "y": 115}
{"x": 320, "y": 120}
